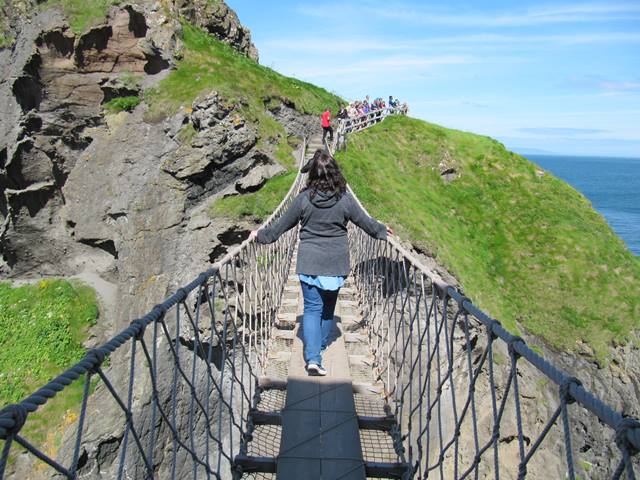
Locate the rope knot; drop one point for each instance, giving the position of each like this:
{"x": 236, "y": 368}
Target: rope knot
{"x": 15, "y": 413}
{"x": 565, "y": 389}
{"x": 158, "y": 312}
{"x": 140, "y": 325}
{"x": 96, "y": 357}
{"x": 182, "y": 293}
{"x": 628, "y": 435}
{"x": 490, "y": 328}
{"x": 512, "y": 345}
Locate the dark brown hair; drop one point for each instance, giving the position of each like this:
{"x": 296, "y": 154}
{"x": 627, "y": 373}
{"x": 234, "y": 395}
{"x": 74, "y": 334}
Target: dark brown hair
{"x": 325, "y": 175}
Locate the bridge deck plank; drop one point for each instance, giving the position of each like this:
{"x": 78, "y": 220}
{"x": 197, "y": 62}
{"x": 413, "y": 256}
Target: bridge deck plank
{"x": 320, "y": 437}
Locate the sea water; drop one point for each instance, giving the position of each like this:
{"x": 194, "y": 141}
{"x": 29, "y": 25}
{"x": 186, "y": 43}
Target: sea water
{"x": 611, "y": 184}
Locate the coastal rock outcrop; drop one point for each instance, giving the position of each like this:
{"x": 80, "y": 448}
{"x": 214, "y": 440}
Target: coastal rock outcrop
{"x": 114, "y": 195}
{"x": 220, "y": 21}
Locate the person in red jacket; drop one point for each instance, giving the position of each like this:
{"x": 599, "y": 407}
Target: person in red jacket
{"x": 326, "y": 125}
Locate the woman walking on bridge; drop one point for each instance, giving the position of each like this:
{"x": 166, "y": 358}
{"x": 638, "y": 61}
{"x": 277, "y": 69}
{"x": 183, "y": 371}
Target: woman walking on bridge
{"x": 323, "y": 210}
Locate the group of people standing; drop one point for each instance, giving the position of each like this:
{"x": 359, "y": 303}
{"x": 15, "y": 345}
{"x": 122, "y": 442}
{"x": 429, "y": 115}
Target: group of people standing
{"x": 358, "y": 108}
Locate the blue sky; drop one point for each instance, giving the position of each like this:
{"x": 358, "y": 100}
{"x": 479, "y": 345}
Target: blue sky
{"x": 562, "y": 77}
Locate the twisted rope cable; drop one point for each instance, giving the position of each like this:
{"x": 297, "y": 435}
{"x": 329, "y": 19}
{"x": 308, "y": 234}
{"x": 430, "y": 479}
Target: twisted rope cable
{"x": 627, "y": 430}
{"x": 13, "y": 417}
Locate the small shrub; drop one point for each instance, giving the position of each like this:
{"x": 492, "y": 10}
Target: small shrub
{"x": 5, "y": 40}
{"x": 122, "y": 104}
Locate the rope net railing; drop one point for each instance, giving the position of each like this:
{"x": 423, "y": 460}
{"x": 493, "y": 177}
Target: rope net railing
{"x": 361, "y": 122}
{"x": 192, "y": 366}
{"x": 471, "y": 399}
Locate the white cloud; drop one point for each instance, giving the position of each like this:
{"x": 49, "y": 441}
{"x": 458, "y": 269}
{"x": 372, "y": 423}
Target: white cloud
{"x": 384, "y": 65}
{"x": 621, "y": 86}
{"x": 318, "y": 45}
{"x": 579, "y": 12}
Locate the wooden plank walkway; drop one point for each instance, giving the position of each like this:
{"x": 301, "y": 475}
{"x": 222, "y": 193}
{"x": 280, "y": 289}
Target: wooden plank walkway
{"x": 320, "y": 437}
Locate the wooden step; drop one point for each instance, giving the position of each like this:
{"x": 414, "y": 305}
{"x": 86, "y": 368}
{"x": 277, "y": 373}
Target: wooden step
{"x": 247, "y": 464}
{"x": 279, "y": 356}
{"x": 384, "y": 424}
{"x": 286, "y": 334}
{"x": 386, "y": 470}
{"x": 361, "y": 360}
{"x": 286, "y": 320}
{"x": 350, "y": 337}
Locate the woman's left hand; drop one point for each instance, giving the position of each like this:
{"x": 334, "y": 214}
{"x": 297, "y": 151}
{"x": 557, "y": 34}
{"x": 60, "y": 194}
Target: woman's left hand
{"x": 253, "y": 234}
{"x": 389, "y": 231}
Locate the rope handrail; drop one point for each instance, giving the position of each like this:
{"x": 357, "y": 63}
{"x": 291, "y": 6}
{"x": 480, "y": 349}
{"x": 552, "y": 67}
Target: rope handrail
{"x": 626, "y": 429}
{"x": 244, "y": 287}
{"x": 433, "y": 350}
{"x": 391, "y": 259}
{"x": 361, "y": 122}
{"x": 577, "y": 391}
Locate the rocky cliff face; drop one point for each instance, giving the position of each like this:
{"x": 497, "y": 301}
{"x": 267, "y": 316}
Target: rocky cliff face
{"x": 59, "y": 148}
{"x": 220, "y": 21}
{"x": 113, "y": 196}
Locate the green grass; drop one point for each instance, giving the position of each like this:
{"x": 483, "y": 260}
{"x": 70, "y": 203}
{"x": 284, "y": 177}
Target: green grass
{"x": 122, "y": 104}
{"x": 130, "y": 79}
{"x": 42, "y": 327}
{"x": 6, "y": 39}
{"x": 83, "y": 14}
{"x": 209, "y": 64}
{"x": 258, "y": 205}
{"x": 527, "y": 248}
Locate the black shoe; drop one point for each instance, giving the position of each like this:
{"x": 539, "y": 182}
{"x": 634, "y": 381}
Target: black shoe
{"x": 315, "y": 370}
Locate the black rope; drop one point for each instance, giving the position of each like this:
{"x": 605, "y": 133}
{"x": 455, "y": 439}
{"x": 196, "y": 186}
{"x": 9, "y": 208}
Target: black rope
{"x": 425, "y": 351}
{"x": 426, "y": 385}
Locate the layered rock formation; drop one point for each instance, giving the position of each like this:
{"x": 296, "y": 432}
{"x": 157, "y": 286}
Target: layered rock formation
{"x": 114, "y": 196}
{"x": 52, "y": 92}
{"x": 220, "y": 21}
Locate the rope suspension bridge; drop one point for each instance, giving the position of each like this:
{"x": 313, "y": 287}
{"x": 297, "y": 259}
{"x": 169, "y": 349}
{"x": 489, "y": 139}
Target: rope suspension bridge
{"x": 422, "y": 384}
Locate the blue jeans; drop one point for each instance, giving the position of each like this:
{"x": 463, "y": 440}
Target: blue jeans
{"x": 317, "y": 320}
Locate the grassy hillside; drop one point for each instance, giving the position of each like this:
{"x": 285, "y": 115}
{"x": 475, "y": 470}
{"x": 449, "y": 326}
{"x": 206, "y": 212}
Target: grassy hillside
{"x": 42, "y": 327}
{"x": 527, "y": 247}
{"x": 209, "y": 64}
{"x": 258, "y": 205}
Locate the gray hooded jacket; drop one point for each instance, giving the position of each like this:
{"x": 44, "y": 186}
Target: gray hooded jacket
{"x": 324, "y": 247}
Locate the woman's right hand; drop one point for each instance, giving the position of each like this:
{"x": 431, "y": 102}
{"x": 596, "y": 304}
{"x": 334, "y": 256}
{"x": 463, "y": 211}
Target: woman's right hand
{"x": 389, "y": 230}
